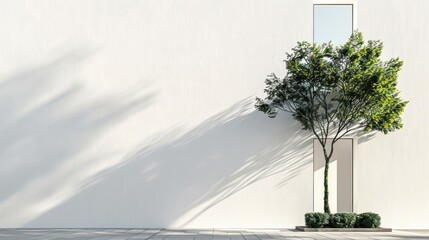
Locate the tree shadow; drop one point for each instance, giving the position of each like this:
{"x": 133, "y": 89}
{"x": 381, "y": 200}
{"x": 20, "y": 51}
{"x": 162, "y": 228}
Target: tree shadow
{"x": 363, "y": 137}
{"x": 47, "y": 128}
{"x": 176, "y": 176}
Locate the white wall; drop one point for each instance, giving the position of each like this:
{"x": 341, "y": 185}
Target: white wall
{"x": 391, "y": 170}
{"x": 140, "y": 114}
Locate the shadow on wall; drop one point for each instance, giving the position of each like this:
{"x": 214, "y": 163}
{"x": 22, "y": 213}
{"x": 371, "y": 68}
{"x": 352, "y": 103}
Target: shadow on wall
{"x": 47, "y": 125}
{"x": 174, "y": 178}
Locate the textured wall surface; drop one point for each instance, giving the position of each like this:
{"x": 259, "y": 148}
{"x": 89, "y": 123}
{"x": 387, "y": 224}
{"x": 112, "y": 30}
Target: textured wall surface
{"x": 140, "y": 114}
{"x": 391, "y": 170}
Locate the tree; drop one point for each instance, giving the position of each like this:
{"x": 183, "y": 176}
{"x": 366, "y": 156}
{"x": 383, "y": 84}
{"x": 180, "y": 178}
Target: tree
{"x": 336, "y": 91}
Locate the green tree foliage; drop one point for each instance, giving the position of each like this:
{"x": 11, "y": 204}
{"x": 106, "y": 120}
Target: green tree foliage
{"x": 334, "y": 91}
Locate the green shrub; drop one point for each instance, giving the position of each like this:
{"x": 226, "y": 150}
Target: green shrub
{"x": 368, "y": 220}
{"x": 342, "y": 220}
{"x": 316, "y": 220}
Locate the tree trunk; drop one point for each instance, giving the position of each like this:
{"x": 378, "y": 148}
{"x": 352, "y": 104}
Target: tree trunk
{"x": 325, "y": 184}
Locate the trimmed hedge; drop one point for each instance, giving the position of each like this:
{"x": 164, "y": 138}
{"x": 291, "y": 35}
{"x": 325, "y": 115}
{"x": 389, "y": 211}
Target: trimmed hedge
{"x": 368, "y": 220}
{"x": 342, "y": 220}
{"x": 316, "y": 220}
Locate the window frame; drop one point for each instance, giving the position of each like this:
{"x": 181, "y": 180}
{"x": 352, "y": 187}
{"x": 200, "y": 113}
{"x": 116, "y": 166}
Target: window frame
{"x": 354, "y": 27}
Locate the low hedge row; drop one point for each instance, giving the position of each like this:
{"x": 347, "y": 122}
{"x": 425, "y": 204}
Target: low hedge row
{"x": 342, "y": 220}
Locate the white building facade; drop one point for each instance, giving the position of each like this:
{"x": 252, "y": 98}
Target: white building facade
{"x": 140, "y": 114}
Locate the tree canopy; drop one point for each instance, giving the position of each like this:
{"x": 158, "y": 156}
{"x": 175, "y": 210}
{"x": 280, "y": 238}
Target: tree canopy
{"x": 334, "y": 90}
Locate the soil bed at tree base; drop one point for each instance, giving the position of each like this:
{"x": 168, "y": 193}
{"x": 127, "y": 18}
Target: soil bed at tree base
{"x": 306, "y": 229}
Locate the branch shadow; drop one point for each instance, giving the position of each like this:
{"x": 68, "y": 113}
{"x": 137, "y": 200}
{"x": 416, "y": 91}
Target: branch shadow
{"x": 46, "y": 131}
{"x": 176, "y": 176}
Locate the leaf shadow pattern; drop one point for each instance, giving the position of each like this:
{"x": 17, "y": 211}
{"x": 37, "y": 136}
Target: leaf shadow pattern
{"x": 48, "y": 125}
{"x": 176, "y": 176}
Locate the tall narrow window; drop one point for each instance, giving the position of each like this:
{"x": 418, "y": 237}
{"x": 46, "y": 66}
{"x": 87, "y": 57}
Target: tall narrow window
{"x": 332, "y": 22}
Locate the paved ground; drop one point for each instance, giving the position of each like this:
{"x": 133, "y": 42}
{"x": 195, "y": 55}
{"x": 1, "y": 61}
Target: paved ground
{"x": 196, "y": 234}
